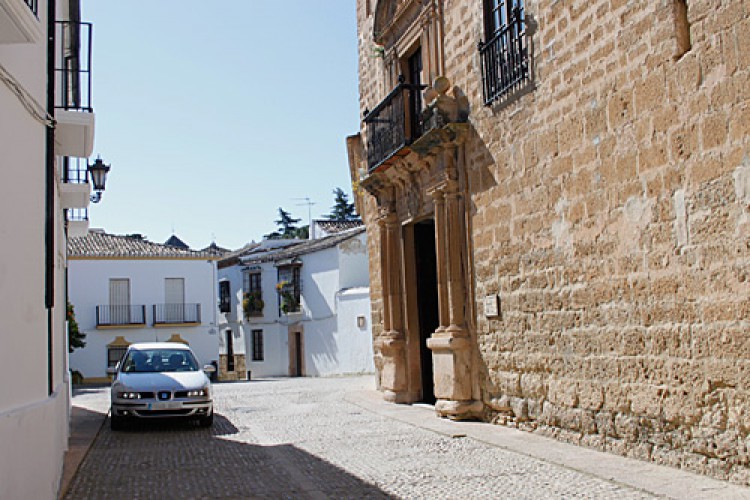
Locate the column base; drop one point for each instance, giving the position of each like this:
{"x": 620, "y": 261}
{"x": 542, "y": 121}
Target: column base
{"x": 459, "y": 410}
{"x": 451, "y": 364}
{"x": 397, "y": 397}
{"x": 391, "y": 348}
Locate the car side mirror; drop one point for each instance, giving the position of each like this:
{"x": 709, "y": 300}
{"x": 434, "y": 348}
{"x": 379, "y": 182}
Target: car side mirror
{"x": 209, "y": 368}
{"x": 111, "y": 370}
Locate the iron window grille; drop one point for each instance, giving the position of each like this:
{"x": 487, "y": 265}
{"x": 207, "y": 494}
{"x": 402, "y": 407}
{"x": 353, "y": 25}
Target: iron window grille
{"x": 253, "y": 295}
{"x": 505, "y": 54}
{"x": 73, "y": 67}
{"x": 258, "y": 345}
{"x": 225, "y": 300}
{"x": 290, "y": 289}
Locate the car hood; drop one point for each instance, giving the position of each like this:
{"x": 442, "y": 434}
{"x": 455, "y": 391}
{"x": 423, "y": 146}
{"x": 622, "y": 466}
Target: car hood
{"x": 162, "y": 381}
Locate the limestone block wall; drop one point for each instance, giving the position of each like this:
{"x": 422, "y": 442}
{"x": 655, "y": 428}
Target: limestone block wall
{"x": 610, "y": 212}
{"x": 240, "y": 368}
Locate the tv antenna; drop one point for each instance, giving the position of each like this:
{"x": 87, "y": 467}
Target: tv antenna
{"x": 309, "y": 212}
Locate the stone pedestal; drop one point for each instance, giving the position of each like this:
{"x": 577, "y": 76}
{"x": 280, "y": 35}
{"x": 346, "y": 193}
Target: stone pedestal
{"x": 451, "y": 361}
{"x": 392, "y": 348}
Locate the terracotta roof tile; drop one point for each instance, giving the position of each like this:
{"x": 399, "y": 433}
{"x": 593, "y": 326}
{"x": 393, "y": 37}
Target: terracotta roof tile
{"x": 99, "y": 244}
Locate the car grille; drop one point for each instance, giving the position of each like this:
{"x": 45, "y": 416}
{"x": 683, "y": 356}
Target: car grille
{"x": 156, "y": 413}
{"x": 146, "y": 395}
{"x": 180, "y": 394}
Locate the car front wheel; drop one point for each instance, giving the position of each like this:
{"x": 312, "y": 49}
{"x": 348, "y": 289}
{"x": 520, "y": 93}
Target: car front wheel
{"x": 116, "y": 423}
{"x": 206, "y": 421}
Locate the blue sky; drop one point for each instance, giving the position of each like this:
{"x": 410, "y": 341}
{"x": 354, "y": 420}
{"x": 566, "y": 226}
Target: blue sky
{"x": 214, "y": 114}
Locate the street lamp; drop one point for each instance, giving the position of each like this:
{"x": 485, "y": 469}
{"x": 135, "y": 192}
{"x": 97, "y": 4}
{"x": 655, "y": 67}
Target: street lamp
{"x": 98, "y": 175}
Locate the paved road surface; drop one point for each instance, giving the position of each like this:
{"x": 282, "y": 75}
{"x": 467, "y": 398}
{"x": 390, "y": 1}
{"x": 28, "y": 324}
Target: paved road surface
{"x": 317, "y": 438}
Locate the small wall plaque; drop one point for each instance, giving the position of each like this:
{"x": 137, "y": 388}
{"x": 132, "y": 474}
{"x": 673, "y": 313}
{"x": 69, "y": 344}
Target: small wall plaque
{"x": 491, "y": 305}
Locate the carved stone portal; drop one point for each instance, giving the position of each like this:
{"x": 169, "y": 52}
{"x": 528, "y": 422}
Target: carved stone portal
{"x": 424, "y": 181}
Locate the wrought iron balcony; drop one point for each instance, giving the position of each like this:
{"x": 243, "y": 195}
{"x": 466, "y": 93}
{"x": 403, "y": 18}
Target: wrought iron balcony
{"x": 394, "y": 123}
{"x": 114, "y": 316}
{"x": 34, "y": 6}
{"x": 76, "y": 222}
{"x": 169, "y": 314}
{"x": 73, "y": 66}
{"x": 75, "y": 170}
{"x": 505, "y": 59}
{"x": 77, "y": 215}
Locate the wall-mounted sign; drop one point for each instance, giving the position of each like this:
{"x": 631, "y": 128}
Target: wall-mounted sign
{"x": 491, "y": 305}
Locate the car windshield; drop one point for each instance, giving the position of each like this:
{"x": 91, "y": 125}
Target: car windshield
{"x": 159, "y": 360}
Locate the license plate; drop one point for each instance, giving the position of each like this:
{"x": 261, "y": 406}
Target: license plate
{"x": 165, "y": 405}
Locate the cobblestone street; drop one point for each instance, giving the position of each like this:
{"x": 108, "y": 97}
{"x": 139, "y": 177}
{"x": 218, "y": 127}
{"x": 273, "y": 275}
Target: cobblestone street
{"x": 310, "y": 438}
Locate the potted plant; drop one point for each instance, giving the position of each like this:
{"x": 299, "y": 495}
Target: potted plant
{"x": 289, "y": 303}
{"x": 252, "y": 304}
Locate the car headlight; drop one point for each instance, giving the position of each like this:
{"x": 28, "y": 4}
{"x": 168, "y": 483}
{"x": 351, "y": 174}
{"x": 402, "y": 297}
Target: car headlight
{"x": 129, "y": 395}
{"x": 198, "y": 393}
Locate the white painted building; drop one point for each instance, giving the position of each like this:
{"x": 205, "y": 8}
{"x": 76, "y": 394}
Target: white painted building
{"x": 313, "y": 316}
{"x": 44, "y": 135}
{"x": 126, "y": 289}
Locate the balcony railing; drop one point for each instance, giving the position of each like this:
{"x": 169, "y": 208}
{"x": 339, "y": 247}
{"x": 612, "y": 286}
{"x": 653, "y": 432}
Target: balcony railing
{"x": 120, "y": 315}
{"x": 176, "y": 313}
{"x": 77, "y": 214}
{"x": 505, "y": 59}
{"x": 73, "y": 66}
{"x": 75, "y": 171}
{"x": 394, "y": 123}
{"x": 34, "y": 6}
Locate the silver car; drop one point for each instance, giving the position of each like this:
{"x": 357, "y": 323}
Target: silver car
{"x": 160, "y": 379}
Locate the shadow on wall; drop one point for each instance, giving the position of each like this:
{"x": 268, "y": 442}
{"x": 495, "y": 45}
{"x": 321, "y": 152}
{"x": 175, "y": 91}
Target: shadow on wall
{"x": 320, "y": 346}
{"x": 154, "y": 459}
{"x": 315, "y": 301}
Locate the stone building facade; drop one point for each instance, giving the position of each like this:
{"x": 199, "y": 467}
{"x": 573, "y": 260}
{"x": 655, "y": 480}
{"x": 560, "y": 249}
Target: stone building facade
{"x": 557, "y": 197}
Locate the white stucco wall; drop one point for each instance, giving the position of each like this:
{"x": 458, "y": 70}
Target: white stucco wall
{"x": 89, "y": 287}
{"x": 353, "y": 263}
{"x": 332, "y": 342}
{"x": 34, "y": 401}
{"x": 355, "y": 340}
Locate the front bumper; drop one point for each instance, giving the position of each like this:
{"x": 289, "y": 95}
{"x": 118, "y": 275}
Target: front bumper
{"x": 162, "y": 409}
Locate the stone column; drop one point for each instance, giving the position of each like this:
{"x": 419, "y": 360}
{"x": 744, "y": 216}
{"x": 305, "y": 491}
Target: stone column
{"x": 451, "y": 346}
{"x": 455, "y": 241}
{"x": 391, "y": 344}
{"x": 442, "y": 264}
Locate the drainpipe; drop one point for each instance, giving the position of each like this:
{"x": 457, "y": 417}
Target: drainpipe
{"x": 49, "y": 215}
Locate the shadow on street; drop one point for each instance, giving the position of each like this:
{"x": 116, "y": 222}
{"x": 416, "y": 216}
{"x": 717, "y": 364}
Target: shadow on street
{"x": 178, "y": 459}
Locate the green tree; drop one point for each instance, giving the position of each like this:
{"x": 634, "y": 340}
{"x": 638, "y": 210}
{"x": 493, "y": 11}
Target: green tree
{"x": 287, "y": 227}
{"x": 75, "y": 336}
{"x": 342, "y": 209}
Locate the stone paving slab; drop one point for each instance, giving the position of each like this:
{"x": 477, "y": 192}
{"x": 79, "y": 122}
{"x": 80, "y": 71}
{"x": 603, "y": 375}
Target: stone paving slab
{"x": 335, "y": 438}
{"x": 654, "y": 479}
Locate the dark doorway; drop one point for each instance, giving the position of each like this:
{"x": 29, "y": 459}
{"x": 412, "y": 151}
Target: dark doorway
{"x": 296, "y": 354}
{"x": 230, "y": 351}
{"x": 427, "y": 299}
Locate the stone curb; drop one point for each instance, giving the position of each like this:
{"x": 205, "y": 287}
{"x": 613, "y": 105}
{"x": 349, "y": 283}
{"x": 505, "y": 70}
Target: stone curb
{"x": 644, "y": 476}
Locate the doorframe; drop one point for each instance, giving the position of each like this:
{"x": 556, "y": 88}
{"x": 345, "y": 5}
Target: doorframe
{"x": 293, "y": 331}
